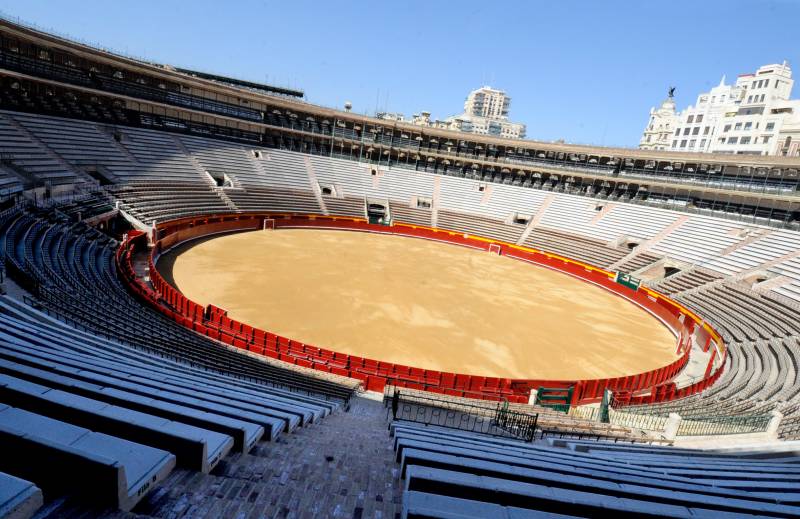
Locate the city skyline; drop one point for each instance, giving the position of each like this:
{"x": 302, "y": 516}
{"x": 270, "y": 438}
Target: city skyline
{"x": 569, "y": 67}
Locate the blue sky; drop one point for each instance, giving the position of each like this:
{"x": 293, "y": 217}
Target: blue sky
{"x": 585, "y": 71}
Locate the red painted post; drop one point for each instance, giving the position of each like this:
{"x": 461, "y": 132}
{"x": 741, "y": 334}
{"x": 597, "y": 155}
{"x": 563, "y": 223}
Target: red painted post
{"x": 710, "y": 363}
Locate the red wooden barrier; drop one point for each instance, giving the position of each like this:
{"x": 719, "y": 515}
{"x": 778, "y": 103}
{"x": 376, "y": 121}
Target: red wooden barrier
{"x": 214, "y": 322}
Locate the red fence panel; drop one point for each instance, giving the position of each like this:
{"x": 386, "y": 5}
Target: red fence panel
{"x": 375, "y": 373}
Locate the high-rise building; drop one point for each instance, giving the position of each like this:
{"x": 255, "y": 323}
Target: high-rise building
{"x": 754, "y": 116}
{"x": 487, "y": 102}
{"x": 485, "y": 113}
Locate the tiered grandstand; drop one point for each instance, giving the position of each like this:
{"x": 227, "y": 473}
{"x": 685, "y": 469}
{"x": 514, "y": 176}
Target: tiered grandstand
{"x": 118, "y": 394}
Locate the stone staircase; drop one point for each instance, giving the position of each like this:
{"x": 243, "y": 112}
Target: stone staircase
{"x": 344, "y": 466}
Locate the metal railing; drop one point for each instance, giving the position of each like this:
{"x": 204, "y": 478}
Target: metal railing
{"x": 693, "y": 425}
{"x": 500, "y": 421}
{"x": 645, "y": 422}
{"x": 713, "y": 425}
{"x": 585, "y": 412}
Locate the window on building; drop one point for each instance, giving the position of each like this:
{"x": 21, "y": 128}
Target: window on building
{"x": 699, "y": 119}
{"x": 677, "y": 131}
{"x": 745, "y": 140}
{"x": 733, "y": 140}
{"x": 722, "y": 140}
{"x": 683, "y": 143}
{"x": 702, "y": 143}
{"x": 770, "y": 127}
{"x": 762, "y": 98}
{"x": 690, "y": 119}
{"x": 766, "y": 83}
{"x": 692, "y": 143}
{"x": 765, "y": 139}
{"x": 696, "y": 130}
{"x": 648, "y": 138}
{"x": 674, "y": 144}
{"x": 748, "y": 125}
{"x": 706, "y": 130}
{"x": 727, "y": 128}
{"x": 738, "y": 126}
{"x": 686, "y": 131}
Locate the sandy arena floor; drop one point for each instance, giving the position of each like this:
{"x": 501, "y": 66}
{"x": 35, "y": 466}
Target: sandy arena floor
{"x": 420, "y": 303}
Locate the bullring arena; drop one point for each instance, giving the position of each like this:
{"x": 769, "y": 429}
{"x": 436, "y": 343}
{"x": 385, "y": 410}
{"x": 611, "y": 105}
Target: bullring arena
{"x": 222, "y": 300}
{"x": 421, "y": 303}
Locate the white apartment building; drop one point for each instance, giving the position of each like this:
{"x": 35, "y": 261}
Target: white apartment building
{"x": 487, "y": 102}
{"x": 485, "y": 113}
{"x": 754, "y": 116}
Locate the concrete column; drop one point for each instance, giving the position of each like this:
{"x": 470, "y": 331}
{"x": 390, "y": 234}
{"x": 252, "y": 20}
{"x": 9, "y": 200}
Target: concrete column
{"x": 774, "y": 423}
{"x": 532, "y": 399}
{"x": 671, "y": 427}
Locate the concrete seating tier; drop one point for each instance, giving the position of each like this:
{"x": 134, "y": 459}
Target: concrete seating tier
{"x": 79, "y": 143}
{"x": 699, "y": 238}
{"x": 61, "y": 379}
{"x": 275, "y": 199}
{"x": 590, "y": 251}
{"x": 155, "y": 200}
{"x": 479, "y": 226}
{"x": 31, "y": 157}
{"x": 761, "y": 376}
{"x": 763, "y": 246}
{"x": 498, "y": 477}
{"x": 223, "y": 158}
{"x": 345, "y": 206}
{"x": 10, "y": 183}
{"x": 19, "y": 499}
{"x": 113, "y": 471}
{"x": 410, "y": 215}
{"x": 638, "y": 262}
{"x": 77, "y": 279}
{"x": 57, "y": 150}
{"x": 686, "y": 280}
{"x": 199, "y": 449}
{"x": 169, "y": 180}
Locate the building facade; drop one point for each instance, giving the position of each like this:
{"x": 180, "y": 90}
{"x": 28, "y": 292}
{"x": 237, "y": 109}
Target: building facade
{"x": 658, "y": 134}
{"x": 754, "y": 116}
{"x": 485, "y": 113}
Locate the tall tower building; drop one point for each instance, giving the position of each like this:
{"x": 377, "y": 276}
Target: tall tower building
{"x": 486, "y": 113}
{"x": 487, "y": 102}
